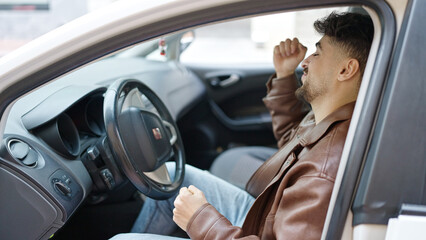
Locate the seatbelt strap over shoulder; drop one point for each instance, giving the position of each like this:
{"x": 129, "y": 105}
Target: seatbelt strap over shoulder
{"x": 268, "y": 170}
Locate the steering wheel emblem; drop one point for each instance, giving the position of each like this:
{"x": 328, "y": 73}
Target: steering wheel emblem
{"x": 157, "y": 133}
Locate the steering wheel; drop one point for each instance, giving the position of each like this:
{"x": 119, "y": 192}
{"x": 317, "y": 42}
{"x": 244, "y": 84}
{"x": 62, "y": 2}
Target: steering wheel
{"x": 143, "y": 136}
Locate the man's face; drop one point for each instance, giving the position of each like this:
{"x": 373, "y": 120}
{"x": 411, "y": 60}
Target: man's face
{"x": 320, "y": 71}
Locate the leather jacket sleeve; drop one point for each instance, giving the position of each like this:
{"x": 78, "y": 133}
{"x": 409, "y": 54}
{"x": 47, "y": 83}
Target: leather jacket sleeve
{"x": 297, "y": 216}
{"x": 208, "y": 223}
{"x": 285, "y": 109}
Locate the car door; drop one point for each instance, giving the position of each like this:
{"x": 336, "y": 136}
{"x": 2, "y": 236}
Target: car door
{"x": 231, "y": 115}
{"x": 223, "y": 56}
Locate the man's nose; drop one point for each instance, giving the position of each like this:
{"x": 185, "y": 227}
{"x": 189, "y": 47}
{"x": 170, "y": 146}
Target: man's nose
{"x": 305, "y": 62}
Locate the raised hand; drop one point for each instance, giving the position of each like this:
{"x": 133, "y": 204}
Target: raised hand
{"x": 287, "y": 56}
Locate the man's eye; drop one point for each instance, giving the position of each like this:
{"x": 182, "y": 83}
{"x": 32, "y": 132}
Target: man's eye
{"x": 315, "y": 54}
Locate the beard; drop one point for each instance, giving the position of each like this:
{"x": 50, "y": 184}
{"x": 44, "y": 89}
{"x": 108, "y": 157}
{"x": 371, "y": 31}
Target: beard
{"x": 309, "y": 92}
{"x": 302, "y": 94}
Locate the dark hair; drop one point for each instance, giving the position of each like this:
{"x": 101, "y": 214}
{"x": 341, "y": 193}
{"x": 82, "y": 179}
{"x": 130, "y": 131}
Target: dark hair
{"x": 353, "y": 32}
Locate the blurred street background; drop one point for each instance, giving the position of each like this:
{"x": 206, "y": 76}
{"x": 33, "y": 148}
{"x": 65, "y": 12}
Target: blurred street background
{"x": 249, "y": 40}
{"x": 24, "y": 20}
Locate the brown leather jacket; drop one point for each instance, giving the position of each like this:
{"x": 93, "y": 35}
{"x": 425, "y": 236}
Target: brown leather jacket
{"x": 294, "y": 204}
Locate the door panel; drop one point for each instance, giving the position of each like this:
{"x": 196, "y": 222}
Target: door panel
{"x": 238, "y": 105}
{"x": 228, "y": 116}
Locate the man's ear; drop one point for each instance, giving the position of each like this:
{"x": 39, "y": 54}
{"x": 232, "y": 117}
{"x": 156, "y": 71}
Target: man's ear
{"x": 348, "y": 70}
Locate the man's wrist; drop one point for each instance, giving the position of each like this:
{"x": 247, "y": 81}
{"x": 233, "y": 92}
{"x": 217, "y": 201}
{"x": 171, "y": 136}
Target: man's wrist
{"x": 284, "y": 74}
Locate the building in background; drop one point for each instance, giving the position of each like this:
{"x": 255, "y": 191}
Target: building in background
{"x": 24, "y": 20}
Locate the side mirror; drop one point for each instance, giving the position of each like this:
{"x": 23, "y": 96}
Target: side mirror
{"x": 186, "y": 40}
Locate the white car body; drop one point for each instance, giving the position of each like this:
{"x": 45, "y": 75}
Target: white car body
{"x": 121, "y": 17}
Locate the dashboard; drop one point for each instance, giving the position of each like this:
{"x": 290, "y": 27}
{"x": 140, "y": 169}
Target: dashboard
{"x": 49, "y": 156}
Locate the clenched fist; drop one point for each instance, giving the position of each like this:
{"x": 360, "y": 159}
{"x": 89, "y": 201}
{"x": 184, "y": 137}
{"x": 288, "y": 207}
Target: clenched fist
{"x": 186, "y": 204}
{"x": 287, "y": 56}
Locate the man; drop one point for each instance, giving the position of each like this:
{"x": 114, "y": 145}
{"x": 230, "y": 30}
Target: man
{"x": 293, "y": 187}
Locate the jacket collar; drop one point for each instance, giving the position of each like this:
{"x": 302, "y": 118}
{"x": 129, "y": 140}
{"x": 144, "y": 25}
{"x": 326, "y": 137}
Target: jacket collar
{"x": 315, "y": 133}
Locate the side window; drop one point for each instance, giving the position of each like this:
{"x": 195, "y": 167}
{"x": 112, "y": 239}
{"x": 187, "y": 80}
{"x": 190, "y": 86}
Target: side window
{"x": 252, "y": 40}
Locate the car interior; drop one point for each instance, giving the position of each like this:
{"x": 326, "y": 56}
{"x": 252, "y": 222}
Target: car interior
{"x": 67, "y": 135}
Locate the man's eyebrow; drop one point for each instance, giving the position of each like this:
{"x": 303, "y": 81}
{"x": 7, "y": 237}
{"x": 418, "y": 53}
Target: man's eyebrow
{"x": 318, "y": 45}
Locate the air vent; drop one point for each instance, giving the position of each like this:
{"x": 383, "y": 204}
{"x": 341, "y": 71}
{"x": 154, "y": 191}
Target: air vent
{"x": 22, "y": 152}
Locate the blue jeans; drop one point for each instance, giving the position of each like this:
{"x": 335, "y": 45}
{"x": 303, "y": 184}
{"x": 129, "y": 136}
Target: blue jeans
{"x": 156, "y": 217}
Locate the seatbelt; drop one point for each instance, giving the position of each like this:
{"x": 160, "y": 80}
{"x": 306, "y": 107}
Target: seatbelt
{"x": 268, "y": 170}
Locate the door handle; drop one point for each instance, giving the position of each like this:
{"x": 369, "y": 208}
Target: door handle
{"x": 225, "y": 81}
